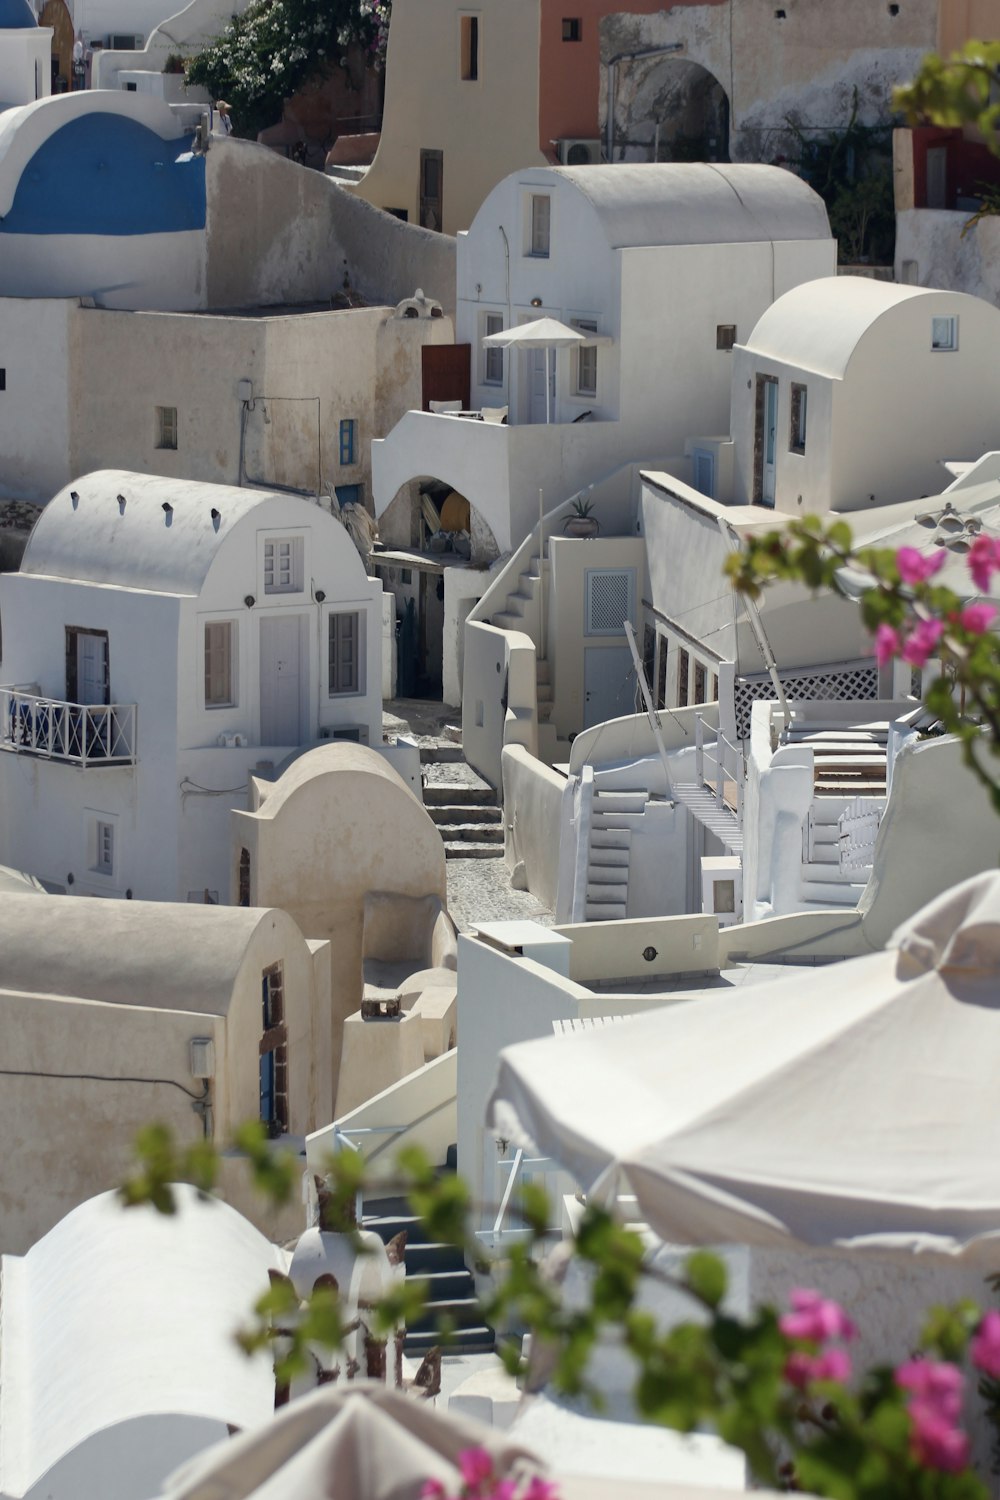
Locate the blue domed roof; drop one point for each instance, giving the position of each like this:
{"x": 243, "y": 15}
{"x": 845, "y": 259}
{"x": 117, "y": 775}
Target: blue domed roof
{"x": 16, "y": 15}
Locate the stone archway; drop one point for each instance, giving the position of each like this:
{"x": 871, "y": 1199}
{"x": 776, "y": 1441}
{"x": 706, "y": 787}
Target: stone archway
{"x": 56, "y": 15}
{"x": 671, "y": 109}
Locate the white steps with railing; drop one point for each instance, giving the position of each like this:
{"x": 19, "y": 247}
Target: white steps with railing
{"x": 849, "y": 772}
{"x": 613, "y": 816}
{"x": 715, "y": 798}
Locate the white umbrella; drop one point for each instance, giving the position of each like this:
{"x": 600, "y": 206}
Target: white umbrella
{"x": 858, "y": 1109}
{"x": 540, "y": 333}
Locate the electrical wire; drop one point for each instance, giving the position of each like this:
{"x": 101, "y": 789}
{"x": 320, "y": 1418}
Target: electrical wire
{"x": 189, "y": 788}
{"x": 101, "y": 1078}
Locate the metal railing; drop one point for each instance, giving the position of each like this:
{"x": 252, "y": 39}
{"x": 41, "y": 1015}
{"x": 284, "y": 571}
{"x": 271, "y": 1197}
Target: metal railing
{"x": 514, "y": 1166}
{"x": 82, "y": 734}
{"x": 713, "y": 756}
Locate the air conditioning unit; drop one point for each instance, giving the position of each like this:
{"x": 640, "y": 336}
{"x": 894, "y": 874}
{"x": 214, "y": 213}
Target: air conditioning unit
{"x": 126, "y": 43}
{"x": 576, "y": 153}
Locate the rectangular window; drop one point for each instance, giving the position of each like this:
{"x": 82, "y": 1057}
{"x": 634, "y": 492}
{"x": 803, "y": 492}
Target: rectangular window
{"x": 348, "y": 494}
{"x": 283, "y": 565}
{"x": 348, "y": 429}
{"x": 274, "y": 1052}
{"x": 3, "y": 380}
{"x": 683, "y": 669}
{"x": 725, "y": 335}
{"x": 661, "y": 672}
{"x": 944, "y": 333}
{"x": 219, "y": 675}
{"x": 104, "y": 864}
{"x": 166, "y": 427}
{"x": 345, "y": 655}
{"x": 586, "y": 360}
{"x": 470, "y": 48}
{"x": 492, "y": 358}
{"x": 610, "y": 595}
{"x": 800, "y": 408}
{"x": 571, "y": 28}
{"x": 700, "y": 682}
{"x": 541, "y": 215}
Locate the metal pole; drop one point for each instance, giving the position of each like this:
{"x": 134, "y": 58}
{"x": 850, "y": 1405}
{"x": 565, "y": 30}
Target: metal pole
{"x": 647, "y": 700}
{"x": 541, "y": 576}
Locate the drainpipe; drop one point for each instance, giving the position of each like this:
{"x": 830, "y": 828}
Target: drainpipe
{"x": 612, "y": 67}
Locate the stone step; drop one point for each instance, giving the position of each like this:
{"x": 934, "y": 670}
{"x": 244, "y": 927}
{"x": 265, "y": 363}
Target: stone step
{"x": 517, "y": 604}
{"x": 604, "y": 911}
{"x": 505, "y": 620}
{"x": 846, "y": 788}
{"x": 451, "y": 814}
{"x": 610, "y": 838}
{"x": 605, "y": 802}
{"x": 465, "y": 850}
{"x": 441, "y": 753}
{"x": 604, "y": 858}
{"x": 478, "y": 1340}
{"x": 607, "y": 894}
{"x": 450, "y": 794}
{"x": 829, "y": 893}
{"x": 475, "y": 833}
{"x": 814, "y": 871}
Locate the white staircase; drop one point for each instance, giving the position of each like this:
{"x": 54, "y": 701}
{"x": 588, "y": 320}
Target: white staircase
{"x": 521, "y": 609}
{"x": 849, "y": 774}
{"x": 613, "y": 817}
{"x": 715, "y": 797}
{"x": 717, "y": 817}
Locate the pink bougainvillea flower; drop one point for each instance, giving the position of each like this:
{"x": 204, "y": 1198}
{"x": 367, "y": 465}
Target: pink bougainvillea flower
{"x": 937, "y": 1444}
{"x": 933, "y": 1383}
{"x": 983, "y": 560}
{"x": 985, "y": 1347}
{"x": 433, "y": 1489}
{"x": 801, "y": 1368}
{"x": 815, "y": 1317}
{"x": 921, "y": 642}
{"x": 475, "y": 1466}
{"x": 977, "y": 618}
{"x": 887, "y": 644}
{"x": 541, "y": 1489}
{"x": 917, "y": 567}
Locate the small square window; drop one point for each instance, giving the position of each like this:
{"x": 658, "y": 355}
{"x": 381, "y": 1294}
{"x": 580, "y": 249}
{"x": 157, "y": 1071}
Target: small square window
{"x": 3, "y": 380}
{"x": 469, "y": 38}
{"x": 541, "y": 217}
{"x": 571, "y": 28}
{"x": 166, "y": 427}
{"x": 283, "y": 565}
{"x": 725, "y": 336}
{"x": 800, "y": 411}
{"x": 348, "y": 432}
{"x": 944, "y": 333}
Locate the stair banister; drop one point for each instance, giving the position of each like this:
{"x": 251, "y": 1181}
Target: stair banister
{"x": 512, "y": 1178}
{"x": 699, "y": 749}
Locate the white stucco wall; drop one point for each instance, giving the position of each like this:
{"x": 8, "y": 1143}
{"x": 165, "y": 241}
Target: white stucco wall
{"x": 25, "y": 72}
{"x": 35, "y": 413}
{"x": 945, "y": 250}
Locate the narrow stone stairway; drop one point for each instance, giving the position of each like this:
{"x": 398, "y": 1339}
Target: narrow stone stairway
{"x": 451, "y": 1289}
{"x": 461, "y": 804}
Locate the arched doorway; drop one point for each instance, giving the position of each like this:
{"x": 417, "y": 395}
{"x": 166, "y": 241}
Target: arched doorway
{"x": 435, "y": 583}
{"x": 670, "y": 109}
{"x": 58, "y": 17}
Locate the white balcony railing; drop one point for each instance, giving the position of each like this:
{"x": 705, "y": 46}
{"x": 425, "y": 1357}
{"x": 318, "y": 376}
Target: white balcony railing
{"x": 83, "y": 734}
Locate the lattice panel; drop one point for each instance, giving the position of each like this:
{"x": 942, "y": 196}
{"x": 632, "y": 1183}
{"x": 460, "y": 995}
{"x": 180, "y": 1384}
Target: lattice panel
{"x": 853, "y": 682}
{"x": 608, "y": 601}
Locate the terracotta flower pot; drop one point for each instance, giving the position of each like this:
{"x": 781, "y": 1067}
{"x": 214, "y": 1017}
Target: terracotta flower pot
{"x": 582, "y": 526}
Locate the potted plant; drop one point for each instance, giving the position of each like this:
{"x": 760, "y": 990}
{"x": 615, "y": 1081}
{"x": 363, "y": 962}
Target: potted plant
{"x": 582, "y": 522}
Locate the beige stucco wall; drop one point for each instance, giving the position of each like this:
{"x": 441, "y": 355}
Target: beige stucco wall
{"x": 805, "y": 67}
{"x": 533, "y": 803}
{"x": 35, "y": 410}
{"x": 485, "y": 128}
{"x": 309, "y": 372}
{"x": 338, "y": 824}
{"x": 70, "y": 1137}
{"x": 567, "y": 644}
{"x": 278, "y": 232}
{"x": 949, "y": 251}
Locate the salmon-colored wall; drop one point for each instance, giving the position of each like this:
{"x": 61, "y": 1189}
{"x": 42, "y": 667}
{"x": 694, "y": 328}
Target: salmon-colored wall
{"x": 959, "y": 20}
{"x": 570, "y": 72}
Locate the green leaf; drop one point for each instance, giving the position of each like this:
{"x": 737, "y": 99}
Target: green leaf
{"x": 706, "y": 1276}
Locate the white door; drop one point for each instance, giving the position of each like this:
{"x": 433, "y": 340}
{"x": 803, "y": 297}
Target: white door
{"x": 283, "y": 695}
{"x": 770, "y": 436}
{"x": 937, "y": 177}
{"x": 91, "y": 668}
{"x": 608, "y": 684}
{"x": 540, "y": 367}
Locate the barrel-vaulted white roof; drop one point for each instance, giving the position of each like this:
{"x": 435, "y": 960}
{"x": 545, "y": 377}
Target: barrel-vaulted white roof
{"x": 142, "y": 531}
{"x": 819, "y": 324}
{"x": 117, "y": 1315}
{"x": 167, "y": 955}
{"x": 696, "y": 203}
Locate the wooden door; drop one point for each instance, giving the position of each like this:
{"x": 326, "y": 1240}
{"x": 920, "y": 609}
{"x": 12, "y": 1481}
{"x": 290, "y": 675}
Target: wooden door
{"x": 446, "y": 374}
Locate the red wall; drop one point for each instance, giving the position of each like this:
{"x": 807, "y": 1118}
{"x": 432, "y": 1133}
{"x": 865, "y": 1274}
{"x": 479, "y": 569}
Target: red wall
{"x": 969, "y": 164}
{"x": 570, "y": 72}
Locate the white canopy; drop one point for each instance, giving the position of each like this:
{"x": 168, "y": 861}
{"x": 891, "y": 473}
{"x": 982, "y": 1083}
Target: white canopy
{"x": 540, "y": 333}
{"x": 859, "y": 1109}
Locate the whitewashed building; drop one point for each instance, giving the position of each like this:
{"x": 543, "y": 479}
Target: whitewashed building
{"x": 162, "y": 641}
{"x": 25, "y": 74}
{"x": 848, "y": 394}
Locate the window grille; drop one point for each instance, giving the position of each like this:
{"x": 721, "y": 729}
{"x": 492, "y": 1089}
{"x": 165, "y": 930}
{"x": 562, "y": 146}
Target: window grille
{"x": 283, "y": 565}
{"x": 609, "y": 600}
{"x": 493, "y": 358}
{"x": 219, "y": 664}
{"x": 274, "y": 1052}
{"x": 857, "y": 681}
{"x": 348, "y": 429}
{"x": 243, "y": 897}
{"x": 541, "y": 218}
{"x": 344, "y": 660}
{"x": 166, "y": 427}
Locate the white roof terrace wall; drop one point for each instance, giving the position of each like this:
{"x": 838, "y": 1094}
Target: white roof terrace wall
{"x": 884, "y": 407}
{"x": 25, "y": 71}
